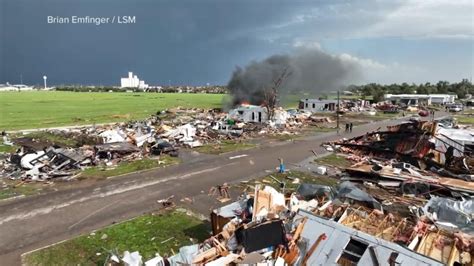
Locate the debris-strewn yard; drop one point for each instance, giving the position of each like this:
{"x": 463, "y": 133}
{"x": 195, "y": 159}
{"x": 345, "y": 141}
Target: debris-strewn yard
{"x": 151, "y": 233}
{"x": 378, "y": 183}
{"x": 14, "y": 188}
{"x": 377, "y": 187}
{"x": 75, "y": 108}
{"x": 224, "y": 146}
{"x": 465, "y": 119}
{"x": 292, "y": 180}
{"x": 7, "y": 148}
{"x": 333, "y": 160}
{"x": 100, "y": 172}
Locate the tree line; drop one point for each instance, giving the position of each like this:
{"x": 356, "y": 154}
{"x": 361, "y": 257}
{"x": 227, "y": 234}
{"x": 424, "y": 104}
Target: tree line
{"x": 377, "y": 91}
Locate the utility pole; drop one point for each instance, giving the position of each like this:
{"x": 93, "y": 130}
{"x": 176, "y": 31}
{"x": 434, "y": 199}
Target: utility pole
{"x": 337, "y": 112}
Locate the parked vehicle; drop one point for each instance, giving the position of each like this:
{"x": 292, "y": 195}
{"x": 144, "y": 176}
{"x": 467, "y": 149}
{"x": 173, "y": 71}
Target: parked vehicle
{"x": 455, "y": 108}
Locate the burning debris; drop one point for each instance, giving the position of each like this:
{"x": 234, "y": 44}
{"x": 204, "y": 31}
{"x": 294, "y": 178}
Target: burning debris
{"x": 279, "y": 75}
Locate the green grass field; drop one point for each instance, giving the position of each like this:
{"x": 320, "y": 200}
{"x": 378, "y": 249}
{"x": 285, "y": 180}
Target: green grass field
{"x": 25, "y": 110}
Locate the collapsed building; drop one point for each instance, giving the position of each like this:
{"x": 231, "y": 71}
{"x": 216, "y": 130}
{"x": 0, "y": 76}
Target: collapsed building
{"x": 325, "y": 105}
{"x": 419, "y": 143}
{"x": 399, "y": 203}
{"x": 362, "y": 227}
{"x": 318, "y": 224}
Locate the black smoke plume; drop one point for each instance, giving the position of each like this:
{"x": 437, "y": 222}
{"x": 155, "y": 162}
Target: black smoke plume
{"x": 311, "y": 71}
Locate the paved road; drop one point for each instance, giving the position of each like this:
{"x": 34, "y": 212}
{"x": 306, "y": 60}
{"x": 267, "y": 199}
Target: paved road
{"x": 30, "y": 223}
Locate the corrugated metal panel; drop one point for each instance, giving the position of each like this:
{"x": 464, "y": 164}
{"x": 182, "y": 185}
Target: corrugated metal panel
{"x": 330, "y": 249}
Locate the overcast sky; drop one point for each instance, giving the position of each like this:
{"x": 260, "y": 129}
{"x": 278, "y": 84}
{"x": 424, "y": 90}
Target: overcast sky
{"x": 202, "y": 41}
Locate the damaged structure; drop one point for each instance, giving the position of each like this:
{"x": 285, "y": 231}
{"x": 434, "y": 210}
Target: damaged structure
{"x": 323, "y": 225}
{"x": 402, "y": 202}
{"x": 41, "y": 158}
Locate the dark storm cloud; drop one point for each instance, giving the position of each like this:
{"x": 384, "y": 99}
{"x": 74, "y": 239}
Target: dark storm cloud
{"x": 200, "y": 41}
{"x": 191, "y": 42}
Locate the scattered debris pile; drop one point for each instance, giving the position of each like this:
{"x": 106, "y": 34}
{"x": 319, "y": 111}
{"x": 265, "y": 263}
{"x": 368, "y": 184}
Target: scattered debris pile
{"x": 418, "y": 149}
{"x": 318, "y": 224}
{"x": 406, "y": 200}
{"x": 63, "y": 153}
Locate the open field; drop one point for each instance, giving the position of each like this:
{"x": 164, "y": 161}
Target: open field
{"x": 24, "y": 110}
{"x": 148, "y": 234}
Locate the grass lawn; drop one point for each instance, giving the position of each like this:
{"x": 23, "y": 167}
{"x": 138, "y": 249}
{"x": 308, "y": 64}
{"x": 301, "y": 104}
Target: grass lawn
{"x": 13, "y": 188}
{"x": 127, "y": 167}
{"x": 146, "y": 234}
{"x": 24, "y": 110}
{"x": 7, "y": 148}
{"x": 224, "y": 146}
{"x": 333, "y": 160}
{"x": 464, "y": 119}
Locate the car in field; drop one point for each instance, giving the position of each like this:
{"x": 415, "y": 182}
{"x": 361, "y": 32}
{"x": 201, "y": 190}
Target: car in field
{"x": 455, "y": 108}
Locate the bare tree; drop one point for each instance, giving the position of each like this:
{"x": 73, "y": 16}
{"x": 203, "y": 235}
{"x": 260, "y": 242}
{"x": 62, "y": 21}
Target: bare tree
{"x": 271, "y": 95}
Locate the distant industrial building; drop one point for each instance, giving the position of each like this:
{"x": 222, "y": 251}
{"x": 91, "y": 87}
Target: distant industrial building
{"x": 132, "y": 81}
{"x": 416, "y": 99}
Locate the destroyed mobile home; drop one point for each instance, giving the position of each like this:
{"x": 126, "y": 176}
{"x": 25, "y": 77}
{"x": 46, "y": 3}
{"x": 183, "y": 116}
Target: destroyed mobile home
{"x": 322, "y": 225}
{"x": 404, "y": 201}
{"x": 166, "y": 132}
